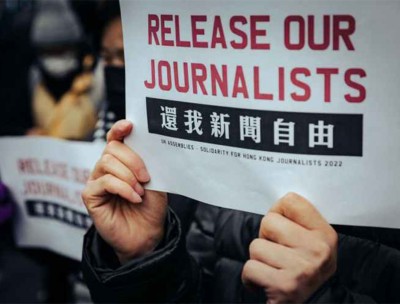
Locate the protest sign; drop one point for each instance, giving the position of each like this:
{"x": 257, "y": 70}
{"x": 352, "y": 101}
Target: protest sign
{"x": 236, "y": 103}
{"x": 46, "y": 177}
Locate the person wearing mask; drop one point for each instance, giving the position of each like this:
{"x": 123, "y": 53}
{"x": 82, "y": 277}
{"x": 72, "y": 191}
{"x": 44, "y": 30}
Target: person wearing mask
{"x": 112, "y": 58}
{"x": 62, "y": 106}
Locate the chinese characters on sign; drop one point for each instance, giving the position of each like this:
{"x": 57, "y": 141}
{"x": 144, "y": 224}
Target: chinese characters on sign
{"x": 305, "y": 133}
{"x": 48, "y": 210}
{"x": 319, "y": 134}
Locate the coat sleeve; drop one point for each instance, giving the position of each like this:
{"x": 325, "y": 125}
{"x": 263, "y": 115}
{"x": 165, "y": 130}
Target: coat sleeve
{"x": 168, "y": 274}
{"x": 334, "y": 292}
{"x": 368, "y": 272}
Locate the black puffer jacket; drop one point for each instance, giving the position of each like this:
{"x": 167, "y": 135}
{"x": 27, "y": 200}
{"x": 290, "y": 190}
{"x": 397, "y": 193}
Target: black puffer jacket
{"x": 208, "y": 267}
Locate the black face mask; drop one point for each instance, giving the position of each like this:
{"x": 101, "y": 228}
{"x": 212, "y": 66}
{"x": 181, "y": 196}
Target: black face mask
{"x": 115, "y": 88}
{"x": 58, "y": 86}
{"x": 59, "y": 82}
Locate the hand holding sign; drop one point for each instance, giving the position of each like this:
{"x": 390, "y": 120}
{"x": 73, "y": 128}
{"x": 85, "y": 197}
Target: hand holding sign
{"x": 294, "y": 254}
{"x": 128, "y": 217}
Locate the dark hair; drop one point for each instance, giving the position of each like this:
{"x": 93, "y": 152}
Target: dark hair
{"x": 108, "y": 10}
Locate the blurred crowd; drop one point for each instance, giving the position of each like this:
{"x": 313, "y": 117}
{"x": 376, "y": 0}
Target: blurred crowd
{"x": 52, "y": 70}
{"x": 61, "y": 74}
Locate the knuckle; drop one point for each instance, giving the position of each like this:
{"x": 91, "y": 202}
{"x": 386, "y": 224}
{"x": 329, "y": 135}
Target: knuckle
{"x": 133, "y": 180}
{"x": 246, "y": 270}
{"x": 111, "y": 146}
{"x": 324, "y": 257}
{"x": 265, "y": 222}
{"x": 106, "y": 158}
{"x": 289, "y": 287}
{"x": 267, "y": 227}
{"x": 106, "y": 180}
{"x": 255, "y": 248}
{"x": 105, "y": 161}
{"x": 307, "y": 271}
{"x": 138, "y": 166}
{"x": 85, "y": 196}
{"x": 289, "y": 199}
{"x": 322, "y": 251}
{"x": 97, "y": 165}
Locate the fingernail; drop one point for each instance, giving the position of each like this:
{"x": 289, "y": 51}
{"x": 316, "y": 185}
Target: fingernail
{"x": 122, "y": 125}
{"x": 125, "y": 124}
{"x": 137, "y": 198}
{"x": 144, "y": 175}
{"x": 139, "y": 189}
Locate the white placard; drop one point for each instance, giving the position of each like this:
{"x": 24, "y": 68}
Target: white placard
{"x": 238, "y": 102}
{"x": 46, "y": 177}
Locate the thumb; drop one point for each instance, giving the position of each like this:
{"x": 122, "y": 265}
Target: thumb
{"x": 119, "y": 130}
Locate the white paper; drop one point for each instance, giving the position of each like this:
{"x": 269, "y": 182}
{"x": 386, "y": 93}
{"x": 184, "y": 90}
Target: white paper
{"x": 351, "y": 174}
{"x": 46, "y": 177}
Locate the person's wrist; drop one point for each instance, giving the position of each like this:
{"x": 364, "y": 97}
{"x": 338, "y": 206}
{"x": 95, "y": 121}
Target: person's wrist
{"x": 147, "y": 247}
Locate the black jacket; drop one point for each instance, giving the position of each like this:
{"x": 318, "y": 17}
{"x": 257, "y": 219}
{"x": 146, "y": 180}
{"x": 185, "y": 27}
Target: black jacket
{"x": 201, "y": 259}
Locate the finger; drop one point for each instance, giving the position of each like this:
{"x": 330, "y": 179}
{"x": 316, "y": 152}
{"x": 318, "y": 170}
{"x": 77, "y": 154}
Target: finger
{"x": 273, "y": 254}
{"x": 279, "y": 229}
{"x": 301, "y": 211}
{"x": 129, "y": 158}
{"x": 107, "y": 184}
{"x": 260, "y": 274}
{"x": 119, "y": 130}
{"x": 108, "y": 164}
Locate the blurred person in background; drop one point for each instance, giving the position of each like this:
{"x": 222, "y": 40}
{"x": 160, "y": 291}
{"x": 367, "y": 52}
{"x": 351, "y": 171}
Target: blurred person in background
{"x": 111, "y": 47}
{"x": 17, "y": 271}
{"x": 56, "y": 97}
{"x": 15, "y": 62}
{"x": 62, "y": 105}
{"x": 65, "y": 93}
